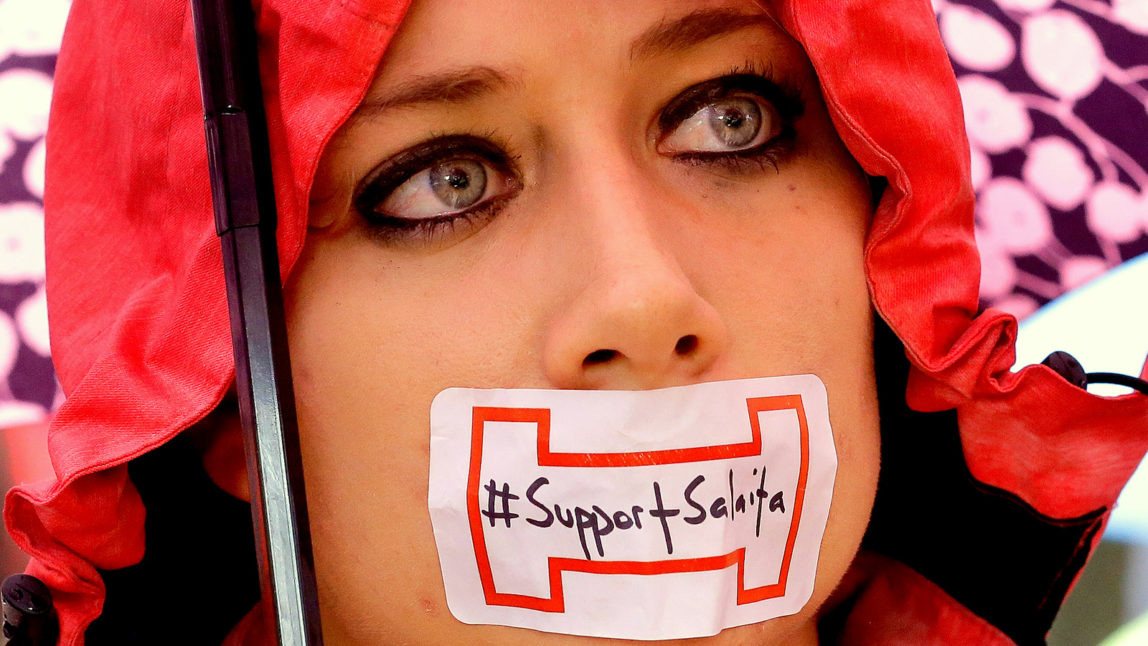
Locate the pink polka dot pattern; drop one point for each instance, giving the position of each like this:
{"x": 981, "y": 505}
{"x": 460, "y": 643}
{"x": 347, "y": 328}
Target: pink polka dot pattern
{"x": 1056, "y": 107}
{"x": 29, "y": 35}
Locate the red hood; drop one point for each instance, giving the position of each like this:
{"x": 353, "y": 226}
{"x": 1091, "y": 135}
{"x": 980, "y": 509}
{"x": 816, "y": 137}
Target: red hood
{"x": 140, "y": 334}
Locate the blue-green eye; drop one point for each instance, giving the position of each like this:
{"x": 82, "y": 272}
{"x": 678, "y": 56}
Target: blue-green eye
{"x": 446, "y": 177}
{"x": 444, "y": 188}
{"x": 724, "y": 125}
{"x": 458, "y": 183}
{"x": 730, "y": 119}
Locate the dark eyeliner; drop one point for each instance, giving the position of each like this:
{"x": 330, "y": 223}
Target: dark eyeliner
{"x": 396, "y": 229}
{"x": 378, "y": 184}
{"x": 785, "y": 100}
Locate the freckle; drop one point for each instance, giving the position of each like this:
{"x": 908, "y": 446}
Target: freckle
{"x": 792, "y": 187}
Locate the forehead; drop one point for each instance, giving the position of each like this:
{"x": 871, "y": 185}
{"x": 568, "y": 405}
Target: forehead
{"x": 459, "y": 51}
{"x": 513, "y": 33}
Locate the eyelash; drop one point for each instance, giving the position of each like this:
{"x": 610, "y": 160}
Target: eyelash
{"x": 752, "y": 79}
{"x": 377, "y": 185}
{"x": 390, "y": 228}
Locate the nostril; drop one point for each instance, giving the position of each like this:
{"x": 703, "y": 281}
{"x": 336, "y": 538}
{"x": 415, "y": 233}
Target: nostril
{"x": 598, "y": 357}
{"x": 686, "y": 345}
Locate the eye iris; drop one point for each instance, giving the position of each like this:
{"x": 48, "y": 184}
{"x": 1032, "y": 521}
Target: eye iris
{"x": 736, "y": 122}
{"x": 458, "y": 183}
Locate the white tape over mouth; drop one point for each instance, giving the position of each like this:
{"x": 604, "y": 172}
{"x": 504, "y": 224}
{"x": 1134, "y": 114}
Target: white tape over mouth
{"x": 657, "y": 514}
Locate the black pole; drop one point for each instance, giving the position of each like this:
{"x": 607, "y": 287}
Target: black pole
{"x": 245, "y": 218}
{"x": 29, "y": 619}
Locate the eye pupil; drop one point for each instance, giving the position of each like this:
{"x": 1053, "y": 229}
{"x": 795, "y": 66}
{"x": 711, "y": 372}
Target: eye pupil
{"x": 458, "y": 183}
{"x": 733, "y": 119}
{"x": 736, "y": 121}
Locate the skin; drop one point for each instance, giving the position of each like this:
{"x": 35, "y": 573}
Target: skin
{"x": 607, "y": 254}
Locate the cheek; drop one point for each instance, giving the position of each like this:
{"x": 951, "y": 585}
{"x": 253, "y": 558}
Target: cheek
{"x": 794, "y": 293}
{"x": 788, "y": 272}
{"x": 364, "y": 382}
{"x": 364, "y": 443}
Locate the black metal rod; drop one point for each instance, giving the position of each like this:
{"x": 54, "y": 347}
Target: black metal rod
{"x": 29, "y": 619}
{"x": 245, "y": 216}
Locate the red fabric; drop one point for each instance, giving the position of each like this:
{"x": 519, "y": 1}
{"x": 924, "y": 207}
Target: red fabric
{"x": 139, "y": 326}
{"x": 250, "y": 630}
{"x": 893, "y": 98}
{"x": 895, "y": 606}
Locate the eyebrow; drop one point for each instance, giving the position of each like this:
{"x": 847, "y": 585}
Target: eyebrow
{"x": 455, "y": 86}
{"x": 692, "y": 29}
{"x": 470, "y": 83}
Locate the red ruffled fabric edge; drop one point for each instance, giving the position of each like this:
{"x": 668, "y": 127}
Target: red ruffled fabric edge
{"x": 891, "y": 605}
{"x": 143, "y": 338}
{"x": 1064, "y": 451}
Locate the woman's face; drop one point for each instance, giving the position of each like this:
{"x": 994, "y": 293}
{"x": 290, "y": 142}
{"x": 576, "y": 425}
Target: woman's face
{"x": 588, "y": 195}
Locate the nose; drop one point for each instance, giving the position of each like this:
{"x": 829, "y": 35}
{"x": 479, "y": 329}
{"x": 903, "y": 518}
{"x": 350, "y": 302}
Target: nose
{"x": 634, "y": 318}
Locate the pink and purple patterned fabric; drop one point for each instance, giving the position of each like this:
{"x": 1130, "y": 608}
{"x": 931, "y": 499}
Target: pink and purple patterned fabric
{"x": 1056, "y": 106}
{"x": 30, "y": 32}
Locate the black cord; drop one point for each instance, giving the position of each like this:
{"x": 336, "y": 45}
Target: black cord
{"x": 1139, "y": 385}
